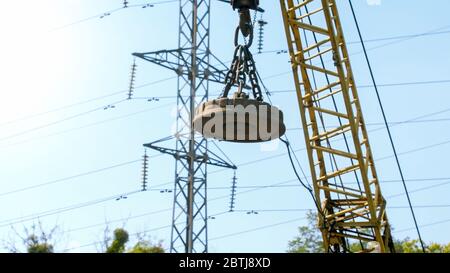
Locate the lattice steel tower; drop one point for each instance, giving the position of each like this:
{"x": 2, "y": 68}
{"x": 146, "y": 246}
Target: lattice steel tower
{"x": 191, "y": 62}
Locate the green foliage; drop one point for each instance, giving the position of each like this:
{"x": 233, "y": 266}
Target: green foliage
{"x": 38, "y": 240}
{"x": 413, "y": 246}
{"x": 35, "y": 239}
{"x": 146, "y": 247}
{"x": 35, "y": 244}
{"x": 120, "y": 239}
{"x": 309, "y": 240}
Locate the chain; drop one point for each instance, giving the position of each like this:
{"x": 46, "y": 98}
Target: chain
{"x": 253, "y": 27}
{"x": 254, "y": 18}
{"x": 243, "y": 65}
{"x": 232, "y": 74}
{"x": 252, "y": 73}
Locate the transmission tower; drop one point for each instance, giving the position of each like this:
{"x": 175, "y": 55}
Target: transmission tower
{"x": 191, "y": 62}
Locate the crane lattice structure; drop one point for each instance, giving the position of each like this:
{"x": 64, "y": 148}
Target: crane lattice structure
{"x": 327, "y": 94}
{"x": 191, "y": 61}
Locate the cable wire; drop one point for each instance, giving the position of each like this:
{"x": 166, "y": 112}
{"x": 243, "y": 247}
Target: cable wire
{"x": 26, "y": 218}
{"x": 257, "y": 229}
{"x": 82, "y": 102}
{"x": 386, "y": 123}
{"x": 398, "y": 37}
{"x": 86, "y": 126}
{"x": 309, "y": 189}
{"x": 52, "y": 182}
{"x": 59, "y": 121}
{"x": 109, "y": 13}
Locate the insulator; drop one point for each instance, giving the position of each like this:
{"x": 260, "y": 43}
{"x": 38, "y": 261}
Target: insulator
{"x": 105, "y": 14}
{"x": 132, "y": 79}
{"x": 145, "y": 172}
{"x": 261, "y": 24}
{"x": 125, "y": 4}
{"x": 233, "y": 192}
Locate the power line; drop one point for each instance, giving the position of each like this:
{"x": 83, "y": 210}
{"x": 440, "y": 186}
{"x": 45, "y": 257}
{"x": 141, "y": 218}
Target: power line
{"x": 417, "y": 150}
{"x": 299, "y": 219}
{"x": 118, "y": 220}
{"x": 169, "y": 1}
{"x": 298, "y": 150}
{"x": 370, "y": 49}
{"x": 252, "y": 162}
{"x": 407, "y": 83}
{"x": 117, "y": 197}
{"x": 139, "y": 233}
{"x": 60, "y": 108}
{"x": 411, "y": 83}
{"x": 110, "y": 12}
{"x": 386, "y": 123}
{"x": 82, "y": 102}
{"x": 163, "y": 210}
{"x": 257, "y": 229}
{"x": 418, "y": 118}
{"x": 57, "y": 181}
{"x": 422, "y": 226}
{"x": 391, "y": 123}
{"x": 254, "y": 229}
{"x": 398, "y": 37}
{"x": 61, "y": 120}
{"x": 312, "y": 209}
{"x": 109, "y": 106}
{"x": 130, "y": 235}
{"x": 21, "y": 219}
{"x": 136, "y": 216}
{"x": 226, "y": 196}
{"x": 265, "y": 210}
{"x": 401, "y": 40}
{"x": 302, "y": 149}
{"x": 261, "y": 227}
{"x": 420, "y": 189}
{"x": 404, "y": 37}
{"x": 144, "y": 85}
{"x": 82, "y": 205}
{"x": 154, "y": 188}
{"x": 421, "y": 206}
{"x": 296, "y": 185}
{"x": 88, "y": 125}
{"x": 282, "y": 185}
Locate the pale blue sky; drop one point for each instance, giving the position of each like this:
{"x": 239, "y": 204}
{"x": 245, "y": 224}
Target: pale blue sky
{"x": 44, "y": 67}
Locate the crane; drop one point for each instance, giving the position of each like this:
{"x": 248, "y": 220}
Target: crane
{"x": 345, "y": 184}
{"x": 349, "y": 212}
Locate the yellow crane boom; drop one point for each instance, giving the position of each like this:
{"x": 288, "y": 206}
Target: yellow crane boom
{"x": 338, "y": 154}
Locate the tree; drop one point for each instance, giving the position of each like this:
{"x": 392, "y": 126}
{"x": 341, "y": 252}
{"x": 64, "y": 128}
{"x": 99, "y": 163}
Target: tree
{"x": 38, "y": 240}
{"x": 146, "y": 247}
{"x": 34, "y": 240}
{"x": 121, "y": 238}
{"x": 309, "y": 240}
{"x": 413, "y": 246}
{"x": 37, "y": 244}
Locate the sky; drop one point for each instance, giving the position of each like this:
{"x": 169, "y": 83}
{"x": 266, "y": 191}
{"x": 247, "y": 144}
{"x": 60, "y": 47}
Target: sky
{"x": 67, "y": 158}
